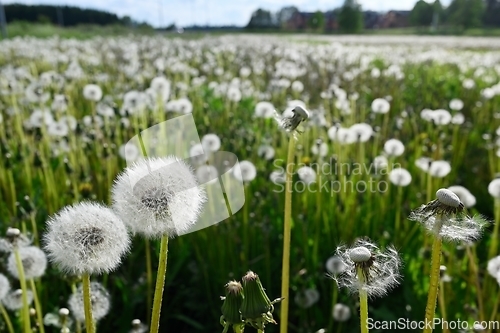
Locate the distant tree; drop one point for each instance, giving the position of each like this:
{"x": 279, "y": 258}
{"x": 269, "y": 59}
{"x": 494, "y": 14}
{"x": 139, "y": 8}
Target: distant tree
{"x": 465, "y": 14}
{"x": 285, "y": 14}
{"x": 350, "y": 17}
{"x": 261, "y": 18}
{"x": 492, "y": 13}
{"x": 317, "y": 21}
{"x": 422, "y": 14}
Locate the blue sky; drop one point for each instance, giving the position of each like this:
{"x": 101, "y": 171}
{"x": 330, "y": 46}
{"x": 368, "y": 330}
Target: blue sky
{"x": 213, "y": 12}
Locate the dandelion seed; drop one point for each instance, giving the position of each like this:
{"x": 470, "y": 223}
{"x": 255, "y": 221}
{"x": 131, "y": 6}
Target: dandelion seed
{"x": 86, "y": 238}
{"x": 99, "y": 298}
{"x": 158, "y": 196}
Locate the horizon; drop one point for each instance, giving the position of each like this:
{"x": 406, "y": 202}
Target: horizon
{"x": 210, "y": 12}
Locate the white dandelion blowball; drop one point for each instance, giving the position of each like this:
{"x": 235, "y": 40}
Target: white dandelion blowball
{"x": 92, "y": 92}
{"x": 307, "y": 174}
{"x": 158, "y": 196}
{"x": 210, "y": 142}
{"x": 394, "y": 147}
{"x": 380, "y": 105}
{"x": 246, "y": 172}
{"x": 14, "y": 299}
{"x": 335, "y": 265}
{"x": 494, "y": 268}
{"x": 341, "y": 312}
{"x": 4, "y": 286}
{"x": 34, "y": 262}
{"x": 307, "y": 298}
{"x": 439, "y": 169}
{"x": 99, "y": 298}
{"x": 467, "y": 198}
{"x": 400, "y": 177}
{"x": 494, "y": 188}
{"x": 86, "y": 238}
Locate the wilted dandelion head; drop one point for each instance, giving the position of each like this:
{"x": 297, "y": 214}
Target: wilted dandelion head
{"x": 380, "y": 269}
{"x": 99, "y": 299}
{"x": 445, "y": 217}
{"x": 400, "y": 177}
{"x": 246, "y": 172}
{"x": 34, "y": 262}
{"x": 4, "y": 286}
{"x": 306, "y": 298}
{"x": 14, "y": 299}
{"x": 86, "y": 238}
{"x": 290, "y": 123}
{"x": 341, "y": 312}
{"x": 158, "y": 196}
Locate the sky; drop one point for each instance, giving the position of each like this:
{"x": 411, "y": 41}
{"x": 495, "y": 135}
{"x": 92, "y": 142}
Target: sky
{"x": 211, "y": 12}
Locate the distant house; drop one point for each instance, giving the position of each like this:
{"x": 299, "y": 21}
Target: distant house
{"x": 331, "y": 21}
{"x": 395, "y": 19}
{"x": 298, "y": 21}
{"x": 371, "y": 19}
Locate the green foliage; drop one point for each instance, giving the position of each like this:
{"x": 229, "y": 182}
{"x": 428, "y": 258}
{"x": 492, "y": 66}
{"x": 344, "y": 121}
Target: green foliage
{"x": 465, "y": 14}
{"x": 421, "y": 14}
{"x": 317, "y": 21}
{"x": 261, "y": 18}
{"x": 351, "y": 17}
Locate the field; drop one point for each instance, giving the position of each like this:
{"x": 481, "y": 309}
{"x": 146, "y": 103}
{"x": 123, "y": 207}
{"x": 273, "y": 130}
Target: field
{"x": 68, "y": 109}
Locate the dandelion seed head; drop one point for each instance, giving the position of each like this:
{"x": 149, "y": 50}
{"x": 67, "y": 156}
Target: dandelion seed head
{"x": 400, "y": 177}
{"x": 207, "y": 174}
{"x": 158, "y": 196}
{"x": 4, "y": 286}
{"x": 456, "y": 104}
{"x": 92, "y": 92}
{"x": 341, "y": 312}
{"x": 494, "y": 188}
{"x": 99, "y": 299}
{"x": 246, "y": 172}
{"x": 380, "y": 105}
{"x": 266, "y": 151}
{"x": 34, "y": 262}
{"x": 394, "y": 147}
{"x": 14, "y": 301}
{"x": 439, "y": 169}
{"x": 363, "y": 131}
{"x": 335, "y": 265}
{"x": 467, "y": 198}
{"x": 278, "y": 177}
{"x": 306, "y": 298}
{"x": 493, "y": 268}
{"x": 210, "y": 142}
{"x": 264, "y": 110}
{"x": 307, "y": 174}
{"x": 86, "y": 238}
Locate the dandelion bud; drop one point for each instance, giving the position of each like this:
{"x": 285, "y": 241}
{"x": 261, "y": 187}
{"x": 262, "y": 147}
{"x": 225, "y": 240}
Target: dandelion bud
{"x": 255, "y": 303}
{"x": 32, "y": 312}
{"x": 341, "y": 312}
{"x": 13, "y": 233}
{"x": 232, "y": 303}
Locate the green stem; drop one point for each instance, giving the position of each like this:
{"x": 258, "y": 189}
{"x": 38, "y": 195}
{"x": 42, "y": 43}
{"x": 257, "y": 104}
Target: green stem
{"x": 160, "y": 283}
{"x": 363, "y": 302}
{"x": 6, "y": 318}
{"x": 87, "y": 303}
{"x": 38, "y": 307}
{"x": 24, "y": 288}
{"x": 149, "y": 278}
{"x": 430, "y": 309}
{"x": 285, "y": 277}
{"x": 442, "y": 307}
{"x": 494, "y": 236}
{"x": 77, "y": 322}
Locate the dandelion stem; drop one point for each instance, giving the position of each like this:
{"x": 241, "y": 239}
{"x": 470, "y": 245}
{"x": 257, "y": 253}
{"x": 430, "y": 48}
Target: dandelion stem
{"x": 160, "y": 283}
{"x": 285, "y": 277}
{"x": 363, "y": 302}
{"x": 494, "y": 236}
{"x": 430, "y": 309}
{"x": 149, "y": 278}
{"x": 87, "y": 303}
{"x": 6, "y": 318}
{"x": 38, "y": 307}
{"x": 237, "y": 328}
{"x": 24, "y": 288}
{"x": 442, "y": 306}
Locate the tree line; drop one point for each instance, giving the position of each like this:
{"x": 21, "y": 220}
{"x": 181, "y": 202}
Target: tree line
{"x": 63, "y": 15}
{"x": 350, "y": 18}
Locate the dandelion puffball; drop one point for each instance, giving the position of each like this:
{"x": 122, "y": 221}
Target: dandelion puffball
{"x": 158, "y": 196}
{"x": 494, "y": 188}
{"x": 100, "y": 301}
{"x": 86, "y": 238}
{"x": 400, "y": 177}
{"x": 394, "y": 147}
{"x": 341, "y": 312}
{"x": 246, "y": 172}
{"x": 33, "y": 259}
{"x": 4, "y": 286}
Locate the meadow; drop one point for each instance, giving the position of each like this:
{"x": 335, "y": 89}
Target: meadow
{"x": 391, "y": 121}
